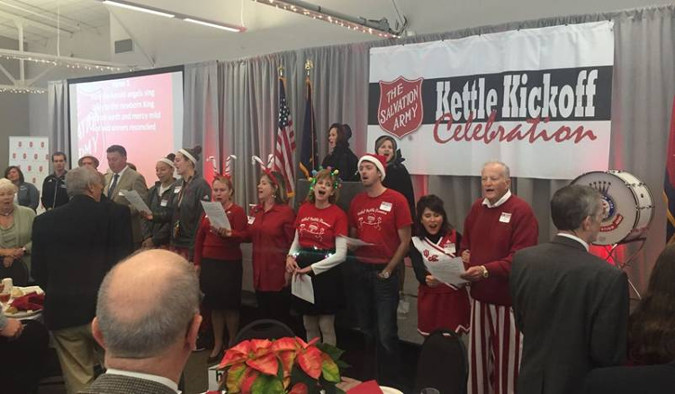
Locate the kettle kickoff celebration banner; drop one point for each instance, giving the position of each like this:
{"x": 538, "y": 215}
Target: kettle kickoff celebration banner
{"x": 536, "y": 99}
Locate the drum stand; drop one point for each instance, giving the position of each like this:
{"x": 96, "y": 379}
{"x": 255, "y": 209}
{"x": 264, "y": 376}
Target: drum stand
{"x": 622, "y": 266}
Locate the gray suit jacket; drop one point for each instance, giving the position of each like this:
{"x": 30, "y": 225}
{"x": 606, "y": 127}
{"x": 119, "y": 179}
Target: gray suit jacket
{"x": 120, "y": 384}
{"x": 572, "y": 308}
{"x": 130, "y": 180}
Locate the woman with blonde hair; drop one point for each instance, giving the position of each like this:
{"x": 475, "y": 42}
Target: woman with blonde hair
{"x": 16, "y": 226}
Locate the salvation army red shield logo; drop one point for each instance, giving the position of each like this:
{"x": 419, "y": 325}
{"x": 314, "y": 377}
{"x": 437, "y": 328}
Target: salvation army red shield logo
{"x": 400, "y": 110}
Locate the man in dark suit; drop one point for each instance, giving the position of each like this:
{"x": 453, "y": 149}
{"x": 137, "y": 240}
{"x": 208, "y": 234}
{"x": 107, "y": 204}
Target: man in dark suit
{"x": 571, "y": 306}
{"x": 648, "y": 379}
{"x": 120, "y": 178}
{"x": 154, "y": 295}
{"x": 74, "y": 247}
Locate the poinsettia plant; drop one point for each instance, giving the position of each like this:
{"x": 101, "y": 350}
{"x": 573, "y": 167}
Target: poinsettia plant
{"x": 285, "y": 365}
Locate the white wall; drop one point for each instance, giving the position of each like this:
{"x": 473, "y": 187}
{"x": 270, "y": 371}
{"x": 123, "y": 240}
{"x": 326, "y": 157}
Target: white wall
{"x": 13, "y": 107}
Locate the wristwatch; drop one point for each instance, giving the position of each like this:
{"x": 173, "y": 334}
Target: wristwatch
{"x": 385, "y": 274}
{"x": 485, "y": 271}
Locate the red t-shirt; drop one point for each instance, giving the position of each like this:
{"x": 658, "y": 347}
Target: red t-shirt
{"x": 211, "y": 245}
{"x": 319, "y": 227}
{"x": 377, "y": 221}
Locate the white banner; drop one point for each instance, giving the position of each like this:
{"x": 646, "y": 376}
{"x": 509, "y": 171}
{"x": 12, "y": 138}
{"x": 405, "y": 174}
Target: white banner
{"x": 31, "y": 154}
{"x": 536, "y": 99}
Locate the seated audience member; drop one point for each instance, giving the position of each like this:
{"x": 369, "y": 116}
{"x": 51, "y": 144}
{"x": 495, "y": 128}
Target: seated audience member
{"x": 28, "y": 195}
{"x": 571, "y": 306}
{"x": 651, "y": 327}
{"x": 157, "y": 226}
{"x": 439, "y": 305}
{"x": 651, "y": 340}
{"x": 16, "y": 223}
{"x": 339, "y": 156}
{"x": 23, "y": 347}
{"x": 74, "y": 249}
{"x": 163, "y": 316}
{"x": 88, "y": 160}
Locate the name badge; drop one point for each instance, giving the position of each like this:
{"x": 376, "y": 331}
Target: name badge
{"x": 251, "y": 219}
{"x": 385, "y": 206}
{"x": 164, "y": 203}
{"x": 505, "y": 218}
{"x": 176, "y": 190}
{"x": 449, "y": 249}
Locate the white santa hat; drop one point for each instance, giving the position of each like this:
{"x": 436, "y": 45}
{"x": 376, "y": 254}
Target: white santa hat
{"x": 379, "y": 161}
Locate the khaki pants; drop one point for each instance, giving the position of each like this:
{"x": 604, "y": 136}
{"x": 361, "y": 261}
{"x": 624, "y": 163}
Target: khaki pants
{"x": 78, "y": 353}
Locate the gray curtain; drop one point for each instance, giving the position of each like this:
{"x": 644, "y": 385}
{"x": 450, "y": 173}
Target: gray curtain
{"x": 642, "y": 94}
{"x": 57, "y": 107}
{"x": 200, "y": 111}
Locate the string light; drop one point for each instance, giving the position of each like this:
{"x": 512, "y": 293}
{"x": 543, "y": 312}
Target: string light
{"x": 70, "y": 64}
{"x": 360, "y": 27}
{"x": 21, "y": 89}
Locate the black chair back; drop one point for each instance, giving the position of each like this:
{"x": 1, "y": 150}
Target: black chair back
{"x": 264, "y": 329}
{"x": 442, "y": 364}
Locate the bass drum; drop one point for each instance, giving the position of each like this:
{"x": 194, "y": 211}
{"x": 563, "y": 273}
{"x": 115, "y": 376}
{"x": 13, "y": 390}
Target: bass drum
{"x": 628, "y": 205}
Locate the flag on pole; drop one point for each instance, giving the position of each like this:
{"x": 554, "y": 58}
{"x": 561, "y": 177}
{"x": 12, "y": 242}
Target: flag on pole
{"x": 285, "y": 142}
{"x": 309, "y": 158}
{"x": 669, "y": 181}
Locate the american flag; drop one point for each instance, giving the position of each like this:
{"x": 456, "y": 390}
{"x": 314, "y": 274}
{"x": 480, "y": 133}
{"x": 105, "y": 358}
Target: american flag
{"x": 285, "y": 144}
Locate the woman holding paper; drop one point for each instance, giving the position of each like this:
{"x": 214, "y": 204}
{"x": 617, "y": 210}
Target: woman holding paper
{"x": 439, "y": 305}
{"x": 157, "y": 225}
{"x": 218, "y": 255}
{"x": 188, "y": 192}
{"x": 317, "y": 251}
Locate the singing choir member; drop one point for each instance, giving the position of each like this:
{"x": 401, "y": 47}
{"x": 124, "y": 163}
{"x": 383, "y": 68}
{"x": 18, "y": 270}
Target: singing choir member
{"x": 381, "y": 217}
{"x": 439, "y": 305}
{"x": 340, "y": 156}
{"x": 496, "y": 227}
{"x": 157, "y": 227}
{"x": 218, "y": 254}
{"x": 271, "y": 234}
{"x": 317, "y": 251}
{"x": 189, "y": 191}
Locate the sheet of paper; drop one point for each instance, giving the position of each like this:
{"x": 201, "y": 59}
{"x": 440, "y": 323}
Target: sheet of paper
{"x": 448, "y": 271}
{"x": 355, "y": 242}
{"x": 301, "y": 287}
{"x": 135, "y": 200}
{"x": 216, "y": 214}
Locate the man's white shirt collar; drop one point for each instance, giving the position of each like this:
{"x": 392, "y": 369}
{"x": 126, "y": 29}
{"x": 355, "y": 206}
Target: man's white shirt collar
{"x": 574, "y": 237}
{"x": 139, "y": 375}
{"x": 501, "y": 201}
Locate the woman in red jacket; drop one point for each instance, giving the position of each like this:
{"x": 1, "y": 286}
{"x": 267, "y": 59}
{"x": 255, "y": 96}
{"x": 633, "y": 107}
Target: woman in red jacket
{"x": 219, "y": 258}
{"x": 271, "y": 234}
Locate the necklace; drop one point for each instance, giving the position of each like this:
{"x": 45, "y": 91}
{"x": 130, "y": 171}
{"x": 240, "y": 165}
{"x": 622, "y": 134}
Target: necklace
{"x": 7, "y": 213}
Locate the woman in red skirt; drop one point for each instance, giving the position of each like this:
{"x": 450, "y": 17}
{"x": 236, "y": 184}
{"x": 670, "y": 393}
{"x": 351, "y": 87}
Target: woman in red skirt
{"x": 439, "y": 305}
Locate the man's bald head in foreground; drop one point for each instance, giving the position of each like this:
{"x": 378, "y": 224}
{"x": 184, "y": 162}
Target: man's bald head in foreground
{"x": 147, "y": 305}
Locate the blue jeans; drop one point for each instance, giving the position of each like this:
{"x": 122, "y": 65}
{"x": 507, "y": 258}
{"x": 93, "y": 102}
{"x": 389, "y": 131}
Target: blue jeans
{"x": 376, "y": 310}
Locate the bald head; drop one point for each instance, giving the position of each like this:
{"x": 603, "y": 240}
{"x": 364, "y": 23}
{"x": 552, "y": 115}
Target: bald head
{"x": 146, "y": 302}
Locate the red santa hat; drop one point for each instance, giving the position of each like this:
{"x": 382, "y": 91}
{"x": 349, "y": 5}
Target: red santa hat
{"x": 379, "y": 161}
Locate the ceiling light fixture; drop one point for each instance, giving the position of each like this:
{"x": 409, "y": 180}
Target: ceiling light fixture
{"x": 146, "y": 9}
{"x": 170, "y": 14}
{"x": 378, "y": 28}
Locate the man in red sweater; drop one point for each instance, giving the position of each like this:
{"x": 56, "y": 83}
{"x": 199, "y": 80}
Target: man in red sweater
{"x": 496, "y": 227}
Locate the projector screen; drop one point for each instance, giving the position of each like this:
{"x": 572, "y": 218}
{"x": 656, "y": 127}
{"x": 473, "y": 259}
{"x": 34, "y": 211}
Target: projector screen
{"x": 142, "y": 111}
